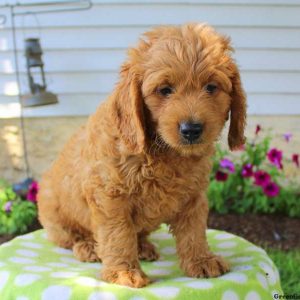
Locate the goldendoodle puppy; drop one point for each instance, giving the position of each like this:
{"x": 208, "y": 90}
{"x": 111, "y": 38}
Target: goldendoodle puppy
{"x": 144, "y": 157}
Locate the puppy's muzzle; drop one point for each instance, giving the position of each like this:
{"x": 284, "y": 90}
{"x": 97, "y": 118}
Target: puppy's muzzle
{"x": 190, "y": 132}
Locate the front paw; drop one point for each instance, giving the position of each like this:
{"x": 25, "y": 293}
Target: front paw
{"x": 135, "y": 278}
{"x": 206, "y": 266}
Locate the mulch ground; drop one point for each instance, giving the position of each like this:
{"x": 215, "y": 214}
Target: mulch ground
{"x": 271, "y": 231}
{"x": 268, "y": 231}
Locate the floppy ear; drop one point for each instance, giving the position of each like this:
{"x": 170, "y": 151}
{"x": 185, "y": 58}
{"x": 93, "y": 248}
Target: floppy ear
{"x": 129, "y": 109}
{"x": 238, "y": 108}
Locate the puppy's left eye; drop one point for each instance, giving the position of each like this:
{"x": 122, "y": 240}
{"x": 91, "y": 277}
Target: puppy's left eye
{"x": 165, "y": 91}
{"x": 211, "y": 88}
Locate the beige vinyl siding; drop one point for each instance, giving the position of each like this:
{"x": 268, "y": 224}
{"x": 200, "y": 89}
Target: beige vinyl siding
{"x": 84, "y": 50}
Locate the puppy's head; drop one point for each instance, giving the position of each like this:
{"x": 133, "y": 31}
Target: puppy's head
{"x": 180, "y": 84}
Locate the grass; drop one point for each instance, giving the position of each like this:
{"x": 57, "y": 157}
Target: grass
{"x": 288, "y": 264}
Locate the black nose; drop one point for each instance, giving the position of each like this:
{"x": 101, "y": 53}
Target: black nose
{"x": 191, "y": 131}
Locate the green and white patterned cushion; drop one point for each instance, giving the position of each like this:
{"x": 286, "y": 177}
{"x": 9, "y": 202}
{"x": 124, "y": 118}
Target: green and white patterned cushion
{"x": 32, "y": 268}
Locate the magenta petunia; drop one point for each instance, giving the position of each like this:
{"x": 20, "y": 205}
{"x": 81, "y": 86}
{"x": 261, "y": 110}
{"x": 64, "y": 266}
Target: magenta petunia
{"x": 7, "y": 206}
{"x": 257, "y": 129}
{"x": 271, "y": 189}
{"x": 227, "y": 164}
{"x": 221, "y": 176}
{"x": 247, "y": 170}
{"x": 261, "y": 178}
{"x": 275, "y": 157}
{"x": 287, "y": 136}
{"x": 295, "y": 159}
{"x": 32, "y": 192}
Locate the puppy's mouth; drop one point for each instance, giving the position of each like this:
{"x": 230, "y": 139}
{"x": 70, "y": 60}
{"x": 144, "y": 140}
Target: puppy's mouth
{"x": 183, "y": 146}
{"x": 185, "y": 142}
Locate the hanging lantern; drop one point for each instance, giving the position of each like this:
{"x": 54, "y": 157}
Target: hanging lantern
{"x": 37, "y": 82}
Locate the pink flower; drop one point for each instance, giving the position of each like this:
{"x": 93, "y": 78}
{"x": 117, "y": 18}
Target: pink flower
{"x": 257, "y": 130}
{"x": 221, "y": 176}
{"x": 227, "y": 164}
{"x": 7, "y": 206}
{"x": 295, "y": 159}
{"x": 261, "y": 178}
{"x": 247, "y": 170}
{"x": 271, "y": 189}
{"x": 275, "y": 157}
{"x": 287, "y": 136}
{"x": 32, "y": 192}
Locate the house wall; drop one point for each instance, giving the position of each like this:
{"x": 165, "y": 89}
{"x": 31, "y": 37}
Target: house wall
{"x": 83, "y": 50}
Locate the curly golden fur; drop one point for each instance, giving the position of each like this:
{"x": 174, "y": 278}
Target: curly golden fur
{"x": 129, "y": 169}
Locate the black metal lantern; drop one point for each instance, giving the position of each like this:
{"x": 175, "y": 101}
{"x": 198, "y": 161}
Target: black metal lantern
{"x": 39, "y": 94}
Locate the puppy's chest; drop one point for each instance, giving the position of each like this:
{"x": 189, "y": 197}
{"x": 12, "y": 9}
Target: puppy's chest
{"x": 160, "y": 188}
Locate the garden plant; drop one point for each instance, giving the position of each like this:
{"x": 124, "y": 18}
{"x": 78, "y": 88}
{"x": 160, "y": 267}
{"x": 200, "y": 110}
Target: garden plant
{"x": 18, "y": 210}
{"x": 253, "y": 180}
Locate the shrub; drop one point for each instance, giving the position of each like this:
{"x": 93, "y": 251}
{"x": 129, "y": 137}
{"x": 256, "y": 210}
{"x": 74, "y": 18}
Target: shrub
{"x": 254, "y": 181}
{"x": 16, "y": 213}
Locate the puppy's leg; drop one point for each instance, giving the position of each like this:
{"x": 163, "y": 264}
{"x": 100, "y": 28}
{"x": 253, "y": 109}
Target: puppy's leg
{"x": 50, "y": 216}
{"x": 189, "y": 230}
{"x": 117, "y": 246}
{"x": 146, "y": 250}
{"x": 58, "y": 235}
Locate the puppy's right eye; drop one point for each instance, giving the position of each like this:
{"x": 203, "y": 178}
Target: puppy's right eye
{"x": 165, "y": 91}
